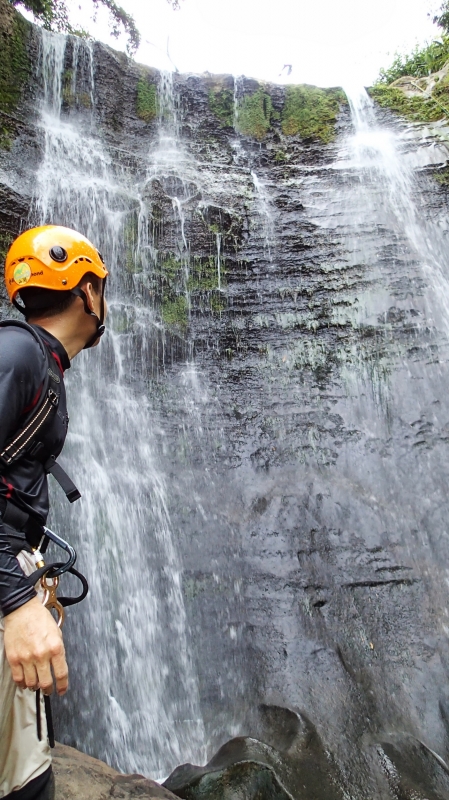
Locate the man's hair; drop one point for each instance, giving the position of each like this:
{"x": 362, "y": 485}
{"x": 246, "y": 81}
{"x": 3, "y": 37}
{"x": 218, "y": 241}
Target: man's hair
{"x": 51, "y": 302}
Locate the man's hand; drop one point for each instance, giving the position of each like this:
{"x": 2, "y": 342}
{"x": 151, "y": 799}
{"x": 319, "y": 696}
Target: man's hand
{"x": 34, "y": 646}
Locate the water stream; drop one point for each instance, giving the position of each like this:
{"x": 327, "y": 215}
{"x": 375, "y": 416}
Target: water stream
{"x": 139, "y": 698}
{"x": 249, "y": 452}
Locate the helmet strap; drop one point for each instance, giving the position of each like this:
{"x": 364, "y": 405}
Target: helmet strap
{"x": 20, "y": 308}
{"x": 100, "y": 320}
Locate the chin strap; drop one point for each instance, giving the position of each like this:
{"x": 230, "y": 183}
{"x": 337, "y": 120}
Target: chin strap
{"x": 100, "y": 320}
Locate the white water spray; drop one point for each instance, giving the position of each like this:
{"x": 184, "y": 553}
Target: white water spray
{"x": 135, "y": 687}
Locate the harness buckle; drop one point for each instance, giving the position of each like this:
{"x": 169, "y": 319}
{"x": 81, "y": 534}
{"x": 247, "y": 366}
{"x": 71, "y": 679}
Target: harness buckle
{"x": 53, "y": 397}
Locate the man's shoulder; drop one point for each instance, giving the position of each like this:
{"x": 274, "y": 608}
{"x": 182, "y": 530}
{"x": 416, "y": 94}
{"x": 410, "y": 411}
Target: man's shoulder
{"x": 20, "y": 348}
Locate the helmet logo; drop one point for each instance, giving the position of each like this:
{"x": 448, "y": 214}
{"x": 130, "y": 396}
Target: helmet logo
{"x": 22, "y": 273}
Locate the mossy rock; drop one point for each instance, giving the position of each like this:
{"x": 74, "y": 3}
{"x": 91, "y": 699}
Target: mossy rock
{"x": 6, "y": 240}
{"x": 311, "y": 112}
{"x": 203, "y": 275}
{"x": 255, "y": 114}
{"x": 416, "y": 109}
{"x": 221, "y": 103}
{"x": 146, "y": 104}
{"x": 442, "y": 176}
{"x": 15, "y": 67}
{"x": 175, "y": 312}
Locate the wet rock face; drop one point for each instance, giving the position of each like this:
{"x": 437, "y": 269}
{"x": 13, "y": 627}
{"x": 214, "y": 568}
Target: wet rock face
{"x": 288, "y": 761}
{"x": 306, "y": 450}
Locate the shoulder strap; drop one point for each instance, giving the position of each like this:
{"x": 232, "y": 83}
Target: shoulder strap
{"x": 25, "y": 440}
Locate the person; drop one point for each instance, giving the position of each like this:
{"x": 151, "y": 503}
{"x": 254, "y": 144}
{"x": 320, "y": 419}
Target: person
{"x": 59, "y": 278}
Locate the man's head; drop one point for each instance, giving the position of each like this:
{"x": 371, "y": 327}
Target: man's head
{"x": 51, "y": 269}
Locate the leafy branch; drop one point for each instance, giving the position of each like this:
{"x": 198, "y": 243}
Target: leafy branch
{"x": 54, "y": 16}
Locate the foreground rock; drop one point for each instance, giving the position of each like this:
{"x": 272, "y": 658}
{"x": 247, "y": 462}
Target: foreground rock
{"x": 80, "y": 777}
{"x": 289, "y": 762}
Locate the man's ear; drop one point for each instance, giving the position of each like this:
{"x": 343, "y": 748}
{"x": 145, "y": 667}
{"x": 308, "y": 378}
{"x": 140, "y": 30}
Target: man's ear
{"x": 88, "y": 289}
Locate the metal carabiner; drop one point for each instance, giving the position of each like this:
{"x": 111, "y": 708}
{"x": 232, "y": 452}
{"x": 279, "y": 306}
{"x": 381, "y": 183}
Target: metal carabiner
{"x": 65, "y": 546}
{"x": 50, "y": 600}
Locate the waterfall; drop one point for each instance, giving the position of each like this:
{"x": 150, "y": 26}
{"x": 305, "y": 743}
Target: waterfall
{"x": 134, "y": 696}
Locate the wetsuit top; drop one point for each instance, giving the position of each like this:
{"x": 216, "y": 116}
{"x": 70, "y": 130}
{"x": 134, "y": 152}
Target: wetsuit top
{"x": 22, "y": 373}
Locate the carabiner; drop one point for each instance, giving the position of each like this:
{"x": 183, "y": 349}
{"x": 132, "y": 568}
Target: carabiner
{"x": 65, "y": 546}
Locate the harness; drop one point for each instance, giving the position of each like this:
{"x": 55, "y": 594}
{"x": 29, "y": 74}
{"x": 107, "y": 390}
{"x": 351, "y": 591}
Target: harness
{"x": 26, "y": 440}
{"x": 24, "y": 532}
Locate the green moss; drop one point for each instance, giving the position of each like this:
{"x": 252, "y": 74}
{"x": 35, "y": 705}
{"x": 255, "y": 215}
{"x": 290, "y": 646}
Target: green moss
{"x": 67, "y": 94}
{"x": 442, "y": 176}
{"x": 255, "y": 113}
{"x": 417, "y": 109}
{"x": 221, "y": 103}
{"x": 175, "y": 312}
{"x": 203, "y": 276}
{"x": 6, "y": 240}
{"x": 147, "y": 105}
{"x": 280, "y": 156}
{"x": 311, "y": 112}
{"x": 15, "y": 68}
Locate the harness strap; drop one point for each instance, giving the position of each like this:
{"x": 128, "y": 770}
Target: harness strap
{"x": 24, "y": 531}
{"x": 25, "y": 441}
{"x": 18, "y": 446}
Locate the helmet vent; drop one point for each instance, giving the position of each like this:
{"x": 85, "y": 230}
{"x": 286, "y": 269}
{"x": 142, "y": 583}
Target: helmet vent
{"x": 58, "y": 253}
{"x": 89, "y": 260}
{"x": 81, "y": 258}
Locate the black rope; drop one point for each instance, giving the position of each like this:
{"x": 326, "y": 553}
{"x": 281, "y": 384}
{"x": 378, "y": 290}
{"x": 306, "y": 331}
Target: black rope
{"x": 49, "y": 718}
{"x": 38, "y": 715}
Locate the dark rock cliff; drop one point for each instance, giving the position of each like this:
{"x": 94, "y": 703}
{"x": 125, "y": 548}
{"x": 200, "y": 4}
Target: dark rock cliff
{"x": 307, "y": 467}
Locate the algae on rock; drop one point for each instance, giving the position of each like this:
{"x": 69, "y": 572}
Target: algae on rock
{"x": 147, "y": 105}
{"x": 416, "y": 108}
{"x": 255, "y": 112}
{"x": 311, "y": 112}
{"x": 15, "y": 67}
{"x": 221, "y": 103}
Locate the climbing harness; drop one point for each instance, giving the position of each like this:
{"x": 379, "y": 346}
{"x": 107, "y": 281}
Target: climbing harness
{"x": 26, "y": 439}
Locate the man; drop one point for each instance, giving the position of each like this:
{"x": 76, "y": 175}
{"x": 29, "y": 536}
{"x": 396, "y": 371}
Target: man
{"x": 59, "y": 277}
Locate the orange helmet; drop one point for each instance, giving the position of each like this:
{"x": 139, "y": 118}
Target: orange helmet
{"x": 50, "y": 257}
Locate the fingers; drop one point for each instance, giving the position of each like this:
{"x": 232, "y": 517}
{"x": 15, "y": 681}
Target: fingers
{"x": 30, "y": 676}
{"x": 45, "y": 677}
{"x": 17, "y": 674}
{"x": 61, "y": 671}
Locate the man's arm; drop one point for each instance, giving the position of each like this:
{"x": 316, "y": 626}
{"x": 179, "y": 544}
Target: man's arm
{"x": 33, "y": 641}
{"x": 19, "y": 385}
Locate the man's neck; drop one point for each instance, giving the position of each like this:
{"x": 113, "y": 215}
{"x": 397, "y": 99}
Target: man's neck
{"x": 72, "y": 336}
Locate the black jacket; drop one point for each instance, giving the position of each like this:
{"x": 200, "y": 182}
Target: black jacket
{"x": 22, "y": 374}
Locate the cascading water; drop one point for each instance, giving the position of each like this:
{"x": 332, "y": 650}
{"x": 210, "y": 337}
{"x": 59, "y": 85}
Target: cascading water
{"x": 133, "y": 685}
{"x": 285, "y": 415}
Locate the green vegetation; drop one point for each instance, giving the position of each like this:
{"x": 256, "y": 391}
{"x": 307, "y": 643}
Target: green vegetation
{"x": 417, "y": 109}
{"x": 255, "y": 113}
{"x": 419, "y": 64}
{"x": 6, "y": 240}
{"x": 14, "y": 61}
{"x": 442, "y": 176}
{"x": 54, "y": 15}
{"x": 311, "y": 112}
{"x": 221, "y": 103}
{"x": 147, "y": 105}
{"x": 175, "y": 312}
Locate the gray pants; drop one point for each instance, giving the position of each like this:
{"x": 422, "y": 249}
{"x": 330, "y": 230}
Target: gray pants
{"x": 22, "y": 756}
